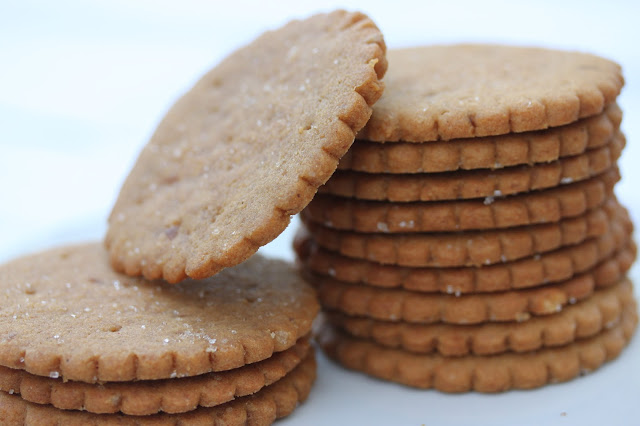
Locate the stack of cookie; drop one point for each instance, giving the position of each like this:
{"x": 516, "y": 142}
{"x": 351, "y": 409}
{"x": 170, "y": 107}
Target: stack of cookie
{"x": 82, "y": 343}
{"x": 470, "y": 239}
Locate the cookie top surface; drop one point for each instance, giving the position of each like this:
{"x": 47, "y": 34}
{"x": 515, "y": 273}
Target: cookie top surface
{"x": 66, "y": 314}
{"x": 246, "y": 148}
{"x": 461, "y": 91}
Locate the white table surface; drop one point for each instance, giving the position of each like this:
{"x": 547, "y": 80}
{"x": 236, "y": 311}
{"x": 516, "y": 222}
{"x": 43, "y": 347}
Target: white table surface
{"x": 82, "y": 85}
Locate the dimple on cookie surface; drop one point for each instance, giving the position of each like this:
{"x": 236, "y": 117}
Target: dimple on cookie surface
{"x": 260, "y": 409}
{"x": 473, "y": 248}
{"x": 474, "y": 183}
{"x": 492, "y": 152}
{"x": 462, "y": 91}
{"x": 494, "y": 373}
{"x": 549, "y": 205}
{"x": 67, "y": 314}
{"x": 246, "y": 148}
{"x": 584, "y": 319}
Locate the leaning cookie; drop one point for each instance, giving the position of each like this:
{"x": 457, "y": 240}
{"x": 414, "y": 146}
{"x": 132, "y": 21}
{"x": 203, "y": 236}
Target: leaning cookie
{"x": 246, "y": 148}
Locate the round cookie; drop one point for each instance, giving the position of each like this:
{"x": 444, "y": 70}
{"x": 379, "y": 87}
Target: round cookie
{"x": 495, "y": 373}
{"x": 145, "y": 397}
{"x": 606, "y": 251}
{"x": 426, "y": 308}
{"x": 584, "y": 319}
{"x": 550, "y": 205}
{"x": 462, "y": 91}
{"x": 472, "y": 248}
{"x": 246, "y": 148}
{"x": 262, "y": 408}
{"x": 474, "y": 183}
{"x": 66, "y": 313}
{"x": 492, "y": 152}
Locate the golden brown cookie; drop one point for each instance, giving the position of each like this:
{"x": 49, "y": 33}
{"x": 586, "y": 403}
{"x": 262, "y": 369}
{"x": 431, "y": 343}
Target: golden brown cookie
{"x": 584, "y": 319}
{"x": 606, "y": 251}
{"x": 462, "y": 91}
{"x": 428, "y": 308}
{"x": 550, "y": 205}
{"x": 474, "y": 183}
{"x": 177, "y": 395}
{"x": 493, "y": 152}
{"x": 262, "y": 408}
{"x": 494, "y": 373}
{"x": 246, "y": 148}
{"x": 66, "y": 314}
{"x": 472, "y": 248}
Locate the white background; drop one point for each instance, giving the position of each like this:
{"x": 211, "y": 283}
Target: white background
{"x": 82, "y": 85}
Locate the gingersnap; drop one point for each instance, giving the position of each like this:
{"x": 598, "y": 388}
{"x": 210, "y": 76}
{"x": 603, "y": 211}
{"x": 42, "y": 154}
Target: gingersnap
{"x": 462, "y": 91}
{"x": 246, "y": 148}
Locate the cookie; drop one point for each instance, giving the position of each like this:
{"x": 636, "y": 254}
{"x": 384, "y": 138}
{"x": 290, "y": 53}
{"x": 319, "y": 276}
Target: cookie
{"x": 246, "y": 148}
{"x": 579, "y": 321}
{"x": 474, "y": 183}
{"x": 66, "y": 313}
{"x": 152, "y": 396}
{"x": 262, "y": 408}
{"x": 472, "y": 248}
{"x": 462, "y": 91}
{"x": 540, "y": 269}
{"x": 549, "y": 205}
{"x": 495, "y": 373}
{"x": 428, "y": 308}
{"x": 494, "y": 152}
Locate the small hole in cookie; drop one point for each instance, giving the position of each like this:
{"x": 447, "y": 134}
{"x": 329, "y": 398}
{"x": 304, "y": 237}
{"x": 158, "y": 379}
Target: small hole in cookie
{"x": 29, "y": 290}
{"x": 169, "y": 180}
{"x": 171, "y": 232}
{"x": 114, "y": 328}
